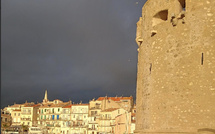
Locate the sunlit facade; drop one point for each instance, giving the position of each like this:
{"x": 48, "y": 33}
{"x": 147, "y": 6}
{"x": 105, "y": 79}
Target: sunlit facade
{"x": 106, "y": 115}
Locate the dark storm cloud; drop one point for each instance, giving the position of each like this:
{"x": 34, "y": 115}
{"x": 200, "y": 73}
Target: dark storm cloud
{"x": 77, "y": 49}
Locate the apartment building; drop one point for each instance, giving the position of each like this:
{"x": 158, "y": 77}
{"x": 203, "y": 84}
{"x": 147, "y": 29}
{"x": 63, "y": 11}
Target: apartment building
{"x": 107, "y": 120}
{"x": 116, "y": 102}
{"x": 105, "y": 115}
{"x": 66, "y": 119}
{"x": 125, "y": 123}
{"x": 29, "y": 114}
{"x": 49, "y": 115}
{"x": 94, "y": 115}
{"x": 16, "y": 117}
{"x": 6, "y": 119}
{"x": 79, "y": 118}
{"x": 106, "y": 104}
{"x": 15, "y": 107}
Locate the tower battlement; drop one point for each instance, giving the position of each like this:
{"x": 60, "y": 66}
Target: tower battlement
{"x": 176, "y": 67}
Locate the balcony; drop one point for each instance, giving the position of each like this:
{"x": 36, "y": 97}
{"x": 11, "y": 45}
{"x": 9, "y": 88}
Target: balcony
{"x": 113, "y": 124}
{"x": 92, "y": 122}
{"x": 57, "y": 125}
{"x": 26, "y": 119}
{"x": 65, "y": 119}
{"x": 103, "y": 125}
{"x": 94, "y": 108}
{"x": 91, "y": 129}
{"x": 49, "y": 119}
{"x": 65, "y": 112}
{"x": 26, "y": 113}
{"x": 105, "y": 118}
{"x": 50, "y": 125}
{"x": 79, "y": 126}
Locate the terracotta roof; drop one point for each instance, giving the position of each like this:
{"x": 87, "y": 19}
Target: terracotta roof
{"x": 36, "y": 105}
{"x": 109, "y": 110}
{"x": 16, "y": 105}
{"x": 19, "y": 105}
{"x": 32, "y": 105}
{"x": 115, "y": 98}
{"x": 69, "y": 106}
{"x": 17, "y": 110}
{"x": 80, "y": 104}
{"x": 47, "y": 105}
{"x": 60, "y": 104}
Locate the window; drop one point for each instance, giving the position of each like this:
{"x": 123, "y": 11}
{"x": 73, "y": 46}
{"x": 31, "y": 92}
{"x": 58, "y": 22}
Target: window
{"x": 160, "y": 17}
{"x": 14, "y": 114}
{"x": 183, "y": 4}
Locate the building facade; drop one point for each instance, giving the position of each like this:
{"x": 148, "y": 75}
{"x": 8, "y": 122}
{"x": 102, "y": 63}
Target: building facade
{"x": 29, "y": 114}
{"x": 58, "y": 117}
{"x": 16, "y": 117}
{"x": 108, "y": 119}
{"x": 79, "y": 118}
{"x": 66, "y": 121}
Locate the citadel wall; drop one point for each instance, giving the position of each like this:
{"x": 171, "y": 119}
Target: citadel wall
{"x": 176, "y": 67}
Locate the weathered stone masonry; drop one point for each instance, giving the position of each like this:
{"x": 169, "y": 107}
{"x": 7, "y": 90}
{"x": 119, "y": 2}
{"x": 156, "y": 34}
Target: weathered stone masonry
{"x": 176, "y": 67}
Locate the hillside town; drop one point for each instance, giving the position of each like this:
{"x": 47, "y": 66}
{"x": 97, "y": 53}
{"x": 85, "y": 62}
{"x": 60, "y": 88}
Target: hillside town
{"x": 105, "y": 115}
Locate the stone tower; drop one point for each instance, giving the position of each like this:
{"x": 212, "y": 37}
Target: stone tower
{"x": 45, "y": 100}
{"x": 176, "y": 67}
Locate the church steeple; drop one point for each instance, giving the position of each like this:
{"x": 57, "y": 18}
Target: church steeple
{"x": 45, "y": 100}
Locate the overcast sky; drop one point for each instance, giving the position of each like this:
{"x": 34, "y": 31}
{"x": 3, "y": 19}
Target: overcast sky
{"x": 76, "y": 49}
